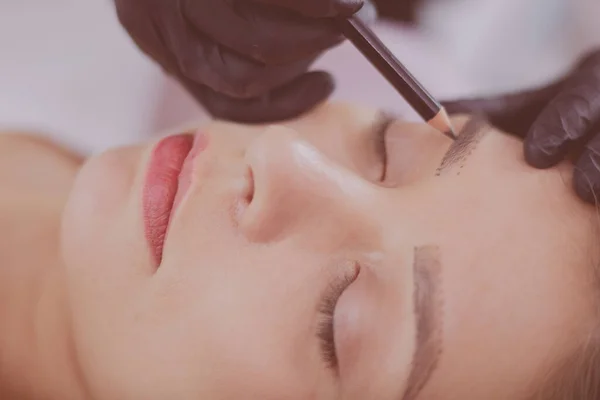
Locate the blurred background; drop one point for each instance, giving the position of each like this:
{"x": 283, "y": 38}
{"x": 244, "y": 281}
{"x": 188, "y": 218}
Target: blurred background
{"x": 68, "y": 70}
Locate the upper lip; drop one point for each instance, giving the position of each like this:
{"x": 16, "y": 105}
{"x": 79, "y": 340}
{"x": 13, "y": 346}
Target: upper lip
{"x": 164, "y": 189}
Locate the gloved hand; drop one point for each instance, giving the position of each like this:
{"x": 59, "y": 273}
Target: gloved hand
{"x": 244, "y": 60}
{"x": 556, "y": 121}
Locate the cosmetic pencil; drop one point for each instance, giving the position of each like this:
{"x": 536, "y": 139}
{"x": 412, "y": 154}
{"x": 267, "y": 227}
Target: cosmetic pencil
{"x": 367, "y": 42}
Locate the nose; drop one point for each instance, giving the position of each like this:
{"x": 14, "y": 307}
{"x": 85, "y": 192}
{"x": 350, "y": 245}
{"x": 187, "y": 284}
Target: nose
{"x": 298, "y": 191}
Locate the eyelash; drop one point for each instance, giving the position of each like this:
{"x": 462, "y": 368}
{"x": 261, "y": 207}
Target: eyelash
{"x": 325, "y": 330}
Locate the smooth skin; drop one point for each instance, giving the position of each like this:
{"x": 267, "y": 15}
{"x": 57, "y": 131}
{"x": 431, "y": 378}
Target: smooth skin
{"x": 232, "y": 310}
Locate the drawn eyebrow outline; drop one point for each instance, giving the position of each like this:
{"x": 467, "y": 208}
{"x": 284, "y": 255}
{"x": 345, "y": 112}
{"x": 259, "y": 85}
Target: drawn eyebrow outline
{"x": 429, "y": 312}
{"x": 468, "y": 138}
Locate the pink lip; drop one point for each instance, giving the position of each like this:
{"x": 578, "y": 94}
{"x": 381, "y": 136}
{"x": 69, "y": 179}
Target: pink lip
{"x": 168, "y": 178}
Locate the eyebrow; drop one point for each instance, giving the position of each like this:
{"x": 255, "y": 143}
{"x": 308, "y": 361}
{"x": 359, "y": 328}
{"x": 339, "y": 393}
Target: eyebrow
{"x": 468, "y": 138}
{"x": 428, "y": 309}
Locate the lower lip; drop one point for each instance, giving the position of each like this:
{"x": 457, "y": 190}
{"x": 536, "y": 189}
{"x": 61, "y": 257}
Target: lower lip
{"x": 167, "y": 180}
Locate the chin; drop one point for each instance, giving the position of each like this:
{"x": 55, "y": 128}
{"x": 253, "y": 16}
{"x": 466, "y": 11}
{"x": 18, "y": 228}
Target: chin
{"x": 102, "y": 194}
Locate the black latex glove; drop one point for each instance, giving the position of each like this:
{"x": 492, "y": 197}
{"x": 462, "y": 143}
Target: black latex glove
{"x": 405, "y": 11}
{"x": 557, "y": 121}
{"x": 244, "y": 60}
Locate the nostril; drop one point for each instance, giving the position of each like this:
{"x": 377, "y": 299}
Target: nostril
{"x": 249, "y": 195}
{"x": 245, "y": 195}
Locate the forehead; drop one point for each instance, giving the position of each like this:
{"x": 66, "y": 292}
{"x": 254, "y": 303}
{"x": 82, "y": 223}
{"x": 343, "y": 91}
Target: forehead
{"x": 518, "y": 258}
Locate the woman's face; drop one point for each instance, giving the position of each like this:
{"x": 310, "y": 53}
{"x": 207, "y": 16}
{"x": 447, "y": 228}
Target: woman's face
{"x": 327, "y": 258}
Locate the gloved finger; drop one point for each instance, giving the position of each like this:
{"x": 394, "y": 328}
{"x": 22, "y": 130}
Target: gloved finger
{"x": 566, "y": 119}
{"x": 513, "y": 113}
{"x": 282, "y": 103}
{"x": 201, "y": 60}
{"x": 586, "y": 177}
{"x": 261, "y": 32}
{"x": 318, "y": 8}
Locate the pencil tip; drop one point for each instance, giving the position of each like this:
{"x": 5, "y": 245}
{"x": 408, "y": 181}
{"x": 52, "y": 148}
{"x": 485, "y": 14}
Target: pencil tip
{"x": 443, "y": 124}
{"x": 451, "y": 134}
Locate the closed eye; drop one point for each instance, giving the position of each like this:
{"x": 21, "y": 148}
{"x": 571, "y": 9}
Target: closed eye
{"x": 380, "y": 135}
{"x": 325, "y": 330}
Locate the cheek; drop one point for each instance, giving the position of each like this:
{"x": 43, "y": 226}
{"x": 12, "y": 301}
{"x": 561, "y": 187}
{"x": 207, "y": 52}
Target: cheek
{"x": 207, "y": 327}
